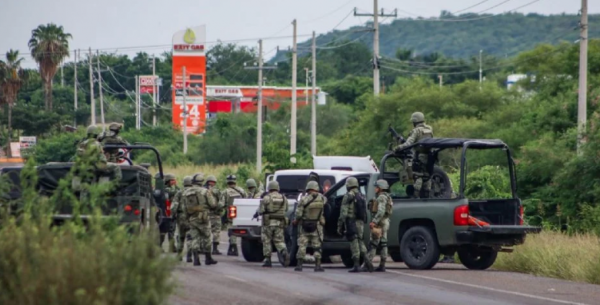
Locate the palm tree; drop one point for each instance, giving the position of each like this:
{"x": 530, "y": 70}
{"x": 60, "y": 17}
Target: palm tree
{"x": 12, "y": 78}
{"x": 49, "y": 46}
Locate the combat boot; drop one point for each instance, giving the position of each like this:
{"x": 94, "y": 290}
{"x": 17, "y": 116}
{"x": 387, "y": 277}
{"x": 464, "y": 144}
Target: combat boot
{"x": 172, "y": 245}
{"x": 232, "y": 251}
{"x": 215, "y": 250}
{"x": 356, "y": 267}
{"x": 381, "y": 267}
{"x": 189, "y": 256}
{"x": 196, "y": 259}
{"x": 368, "y": 262}
{"x": 267, "y": 262}
{"x": 299, "y": 266}
{"x": 286, "y": 258}
{"x": 209, "y": 260}
{"x": 318, "y": 267}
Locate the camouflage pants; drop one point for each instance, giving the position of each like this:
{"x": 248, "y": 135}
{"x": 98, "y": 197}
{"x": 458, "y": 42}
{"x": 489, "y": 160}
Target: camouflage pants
{"x": 232, "y": 239}
{"x": 357, "y": 245}
{"x": 422, "y": 182}
{"x": 314, "y": 239}
{"x": 182, "y": 233}
{"x": 272, "y": 234}
{"x": 215, "y": 228}
{"x": 380, "y": 242}
{"x": 200, "y": 236}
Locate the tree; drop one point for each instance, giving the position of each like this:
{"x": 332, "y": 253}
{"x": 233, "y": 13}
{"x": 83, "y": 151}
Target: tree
{"x": 12, "y": 78}
{"x": 49, "y": 46}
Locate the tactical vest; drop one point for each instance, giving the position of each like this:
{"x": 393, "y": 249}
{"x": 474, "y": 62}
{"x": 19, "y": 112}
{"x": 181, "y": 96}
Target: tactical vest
{"x": 276, "y": 205}
{"x": 314, "y": 210}
{"x": 195, "y": 203}
{"x": 426, "y": 132}
{"x": 350, "y": 203}
{"x": 232, "y": 193}
{"x": 388, "y": 206}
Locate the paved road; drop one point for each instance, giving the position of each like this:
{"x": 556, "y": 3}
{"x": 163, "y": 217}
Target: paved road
{"x": 235, "y": 281}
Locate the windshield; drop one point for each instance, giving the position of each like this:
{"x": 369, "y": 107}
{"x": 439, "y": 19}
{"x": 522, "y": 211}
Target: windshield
{"x": 297, "y": 183}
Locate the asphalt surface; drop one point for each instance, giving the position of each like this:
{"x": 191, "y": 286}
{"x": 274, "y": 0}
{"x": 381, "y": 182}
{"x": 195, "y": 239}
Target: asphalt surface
{"x": 235, "y": 281}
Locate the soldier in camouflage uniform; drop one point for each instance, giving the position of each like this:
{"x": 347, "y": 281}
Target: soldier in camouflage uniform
{"x": 171, "y": 189}
{"x": 253, "y": 191}
{"x": 273, "y": 208}
{"x": 198, "y": 202}
{"x": 180, "y": 215}
{"x": 420, "y": 155}
{"x": 227, "y": 197}
{"x": 350, "y": 219}
{"x": 90, "y": 151}
{"x": 215, "y": 214}
{"x": 113, "y": 138}
{"x": 309, "y": 215}
{"x": 381, "y": 211}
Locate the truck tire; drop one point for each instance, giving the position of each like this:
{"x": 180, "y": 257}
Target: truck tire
{"x": 252, "y": 250}
{"x": 476, "y": 259}
{"x": 419, "y": 248}
{"x": 440, "y": 184}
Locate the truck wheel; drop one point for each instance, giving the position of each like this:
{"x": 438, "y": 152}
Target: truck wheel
{"x": 419, "y": 248}
{"x": 396, "y": 257}
{"x": 477, "y": 259}
{"x": 440, "y": 184}
{"x": 252, "y": 250}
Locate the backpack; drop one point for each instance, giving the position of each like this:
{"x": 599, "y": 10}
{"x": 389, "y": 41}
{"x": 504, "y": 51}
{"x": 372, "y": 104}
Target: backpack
{"x": 360, "y": 206}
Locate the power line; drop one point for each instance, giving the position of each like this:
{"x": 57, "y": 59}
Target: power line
{"x": 470, "y": 7}
{"x": 476, "y": 18}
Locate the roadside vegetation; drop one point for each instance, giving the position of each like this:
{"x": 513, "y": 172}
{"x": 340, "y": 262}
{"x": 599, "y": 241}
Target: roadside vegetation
{"x": 95, "y": 263}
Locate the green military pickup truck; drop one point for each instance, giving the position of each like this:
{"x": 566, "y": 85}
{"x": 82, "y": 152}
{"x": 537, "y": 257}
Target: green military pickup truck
{"x": 422, "y": 229}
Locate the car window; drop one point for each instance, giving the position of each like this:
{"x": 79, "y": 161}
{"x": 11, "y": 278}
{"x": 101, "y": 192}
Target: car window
{"x": 297, "y": 183}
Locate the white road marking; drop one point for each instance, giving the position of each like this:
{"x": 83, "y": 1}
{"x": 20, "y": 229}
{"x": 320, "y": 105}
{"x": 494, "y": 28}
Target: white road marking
{"x": 236, "y": 278}
{"x": 487, "y": 288}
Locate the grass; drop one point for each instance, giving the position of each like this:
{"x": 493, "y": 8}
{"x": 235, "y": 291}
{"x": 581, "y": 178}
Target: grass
{"x": 557, "y": 255}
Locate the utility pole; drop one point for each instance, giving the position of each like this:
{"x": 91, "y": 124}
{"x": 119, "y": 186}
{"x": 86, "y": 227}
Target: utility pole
{"x": 259, "y": 116}
{"x": 75, "y": 89}
{"x": 184, "y": 87}
{"x": 100, "y": 90}
{"x": 306, "y": 87}
{"x": 154, "y": 90}
{"x": 441, "y": 77}
{"x": 480, "y": 68}
{"x": 137, "y": 102}
{"x": 376, "y": 16}
{"x": 583, "y": 69}
{"x": 294, "y": 98}
{"x": 313, "y": 110}
{"x": 92, "y": 101}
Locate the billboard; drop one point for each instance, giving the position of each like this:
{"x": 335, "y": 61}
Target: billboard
{"x": 147, "y": 84}
{"x": 188, "y": 52}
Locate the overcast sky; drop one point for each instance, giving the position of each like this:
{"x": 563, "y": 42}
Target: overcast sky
{"x": 150, "y": 24}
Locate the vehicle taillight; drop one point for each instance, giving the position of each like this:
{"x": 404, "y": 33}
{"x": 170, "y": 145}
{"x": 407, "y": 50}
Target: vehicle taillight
{"x": 127, "y": 208}
{"x": 136, "y": 212}
{"x": 232, "y": 212}
{"x": 521, "y": 215}
{"x": 461, "y": 215}
{"x": 168, "y": 205}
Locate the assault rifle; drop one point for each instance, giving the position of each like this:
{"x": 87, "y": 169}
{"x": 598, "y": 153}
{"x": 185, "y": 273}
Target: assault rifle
{"x": 399, "y": 139}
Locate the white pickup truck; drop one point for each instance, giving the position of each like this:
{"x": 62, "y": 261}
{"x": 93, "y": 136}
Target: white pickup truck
{"x": 330, "y": 170}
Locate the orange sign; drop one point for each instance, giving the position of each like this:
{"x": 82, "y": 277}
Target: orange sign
{"x": 194, "y": 89}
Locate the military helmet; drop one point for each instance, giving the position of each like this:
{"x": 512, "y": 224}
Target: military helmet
{"x": 417, "y": 117}
{"x": 250, "y": 183}
{"x": 114, "y": 127}
{"x": 169, "y": 177}
{"x": 382, "y": 184}
{"x": 198, "y": 179}
{"x": 93, "y": 130}
{"x": 211, "y": 178}
{"x": 231, "y": 179}
{"x": 312, "y": 185}
{"x": 351, "y": 182}
{"x": 273, "y": 186}
{"x": 187, "y": 181}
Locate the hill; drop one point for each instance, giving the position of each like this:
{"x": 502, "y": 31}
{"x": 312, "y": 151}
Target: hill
{"x": 462, "y": 36}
